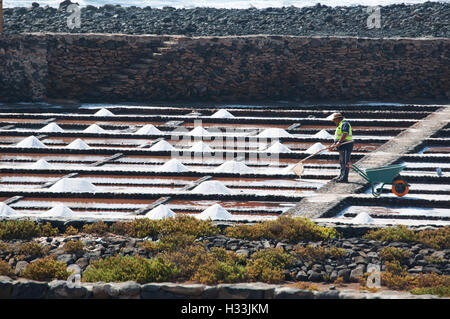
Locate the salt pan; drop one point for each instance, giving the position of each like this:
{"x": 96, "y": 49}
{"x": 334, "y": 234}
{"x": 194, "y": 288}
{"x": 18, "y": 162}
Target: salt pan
{"x": 211, "y": 187}
{"x": 222, "y": 114}
{"x": 363, "y": 218}
{"x": 31, "y": 142}
{"x": 277, "y": 147}
{"x": 199, "y": 131}
{"x": 315, "y": 148}
{"x": 149, "y": 129}
{"x": 51, "y": 128}
{"x": 6, "y": 211}
{"x": 73, "y": 185}
{"x": 160, "y": 212}
{"x": 103, "y": 112}
{"x": 78, "y": 144}
{"x": 200, "y": 147}
{"x": 274, "y": 133}
{"x": 162, "y": 146}
{"x": 215, "y": 212}
{"x": 323, "y": 134}
{"x": 234, "y": 167}
{"x": 58, "y": 211}
{"x": 94, "y": 128}
{"x": 174, "y": 165}
{"x": 41, "y": 164}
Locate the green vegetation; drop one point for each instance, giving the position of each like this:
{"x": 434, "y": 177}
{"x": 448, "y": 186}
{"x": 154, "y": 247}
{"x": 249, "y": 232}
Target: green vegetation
{"x": 5, "y": 269}
{"x": 74, "y": 247}
{"x": 313, "y": 253}
{"x": 125, "y": 268}
{"x": 46, "y": 269}
{"x": 393, "y": 253}
{"x": 436, "y": 238}
{"x": 268, "y": 265}
{"x": 25, "y": 229}
{"x": 32, "y": 249}
{"x": 283, "y": 229}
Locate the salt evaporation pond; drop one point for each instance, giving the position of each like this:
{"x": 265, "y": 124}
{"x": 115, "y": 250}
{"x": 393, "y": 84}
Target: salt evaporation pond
{"x": 211, "y": 187}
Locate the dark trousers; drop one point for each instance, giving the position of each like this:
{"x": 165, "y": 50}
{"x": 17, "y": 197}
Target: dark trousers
{"x": 344, "y": 158}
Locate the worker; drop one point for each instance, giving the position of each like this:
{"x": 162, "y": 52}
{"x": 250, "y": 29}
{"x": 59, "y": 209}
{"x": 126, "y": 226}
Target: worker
{"x": 343, "y": 134}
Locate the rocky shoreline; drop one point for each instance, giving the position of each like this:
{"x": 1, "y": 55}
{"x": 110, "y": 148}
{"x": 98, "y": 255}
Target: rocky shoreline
{"x": 428, "y": 19}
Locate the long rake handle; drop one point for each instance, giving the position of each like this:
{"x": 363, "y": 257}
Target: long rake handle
{"x": 322, "y": 151}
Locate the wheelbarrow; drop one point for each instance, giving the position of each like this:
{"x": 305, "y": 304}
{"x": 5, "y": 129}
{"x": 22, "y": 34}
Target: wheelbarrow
{"x": 384, "y": 175}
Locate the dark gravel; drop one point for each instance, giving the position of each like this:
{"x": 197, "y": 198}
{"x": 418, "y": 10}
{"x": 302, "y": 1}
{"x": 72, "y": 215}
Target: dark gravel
{"x": 421, "y": 20}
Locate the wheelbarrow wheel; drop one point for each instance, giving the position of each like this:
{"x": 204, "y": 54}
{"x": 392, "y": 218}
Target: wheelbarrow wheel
{"x": 400, "y": 187}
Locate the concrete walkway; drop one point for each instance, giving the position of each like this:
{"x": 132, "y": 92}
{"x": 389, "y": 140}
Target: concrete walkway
{"x": 331, "y": 196}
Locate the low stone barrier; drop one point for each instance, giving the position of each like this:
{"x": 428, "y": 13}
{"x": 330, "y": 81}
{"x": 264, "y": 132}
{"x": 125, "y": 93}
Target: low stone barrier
{"x": 58, "y": 289}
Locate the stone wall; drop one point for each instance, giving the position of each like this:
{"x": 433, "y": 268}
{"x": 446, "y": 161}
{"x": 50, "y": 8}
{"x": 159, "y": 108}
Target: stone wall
{"x": 111, "y": 68}
{"x": 58, "y": 289}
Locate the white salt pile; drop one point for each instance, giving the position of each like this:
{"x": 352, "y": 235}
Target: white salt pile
{"x": 94, "y": 128}
{"x": 315, "y": 148}
{"x": 78, "y": 144}
{"x": 211, "y": 187}
{"x": 148, "y": 129}
{"x": 215, "y": 212}
{"x": 73, "y": 185}
{"x": 323, "y": 134}
{"x": 363, "y": 218}
{"x": 104, "y": 112}
{"x": 200, "y": 147}
{"x": 60, "y": 211}
{"x": 31, "y": 142}
{"x": 160, "y": 212}
{"x": 174, "y": 165}
{"x": 199, "y": 131}
{"x": 222, "y": 114}
{"x": 234, "y": 167}
{"x": 288, "y": 169}
{"x": 52, "y": 127}
{"x": 274, "y": 133}
{"x": 6, "y": 211}
{"x": 41, "y": 164}
{"x": 162, "y": 146}
{"x": 277, "y": 147}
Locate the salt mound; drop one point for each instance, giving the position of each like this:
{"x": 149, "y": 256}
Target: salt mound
{"x": 200, "y": 147}
{"x": 31, "y": 142}
{"x": 323, "y": 134}
{"x": 363, "y": 218}
{"x": 52, "y": 127}
{"x": 160, "y": 212}
{"x": 162, "y": 146}
{"x": 58, "y": 211}
{"x": 199, "y": 131}
{"x": 6, "y": 211}
{"x": 234, "y": 167}
{"x": 41, "y": 164}
{"x": 148, "y": 129}
{"x": 78, "y": 144}
{"x": 73, "y": 185}
{"x": 104, "y": 112}
{"x": 94, "y": 128}
{"x": 215, "y": 212}
{"x": 274, "y": 133}
{"x": 222, "y": 114}
{"x": 315, "y": 148}
{"x": 278, "y": 148}
{"x": 211, "y": 187}
{"x": 174, "y": 165}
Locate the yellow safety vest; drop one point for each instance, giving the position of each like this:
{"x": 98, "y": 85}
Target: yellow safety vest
{"x": 338, "y": 132}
